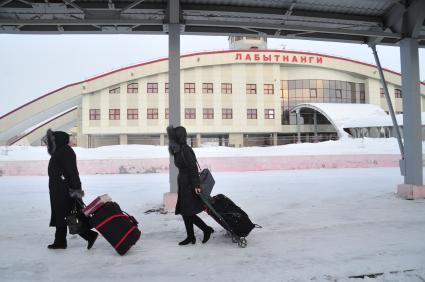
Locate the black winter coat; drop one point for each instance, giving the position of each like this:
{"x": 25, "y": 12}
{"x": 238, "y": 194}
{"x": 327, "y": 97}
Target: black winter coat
{"x": 63, "y": 176}
{"x": 188, "y": 203}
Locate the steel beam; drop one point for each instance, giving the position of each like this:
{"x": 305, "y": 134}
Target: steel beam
{"x": 297, "y": 111}
{"x": 390, "y": 106}
{"x": 132, "y": 5}
{"x": 412, "y": 125}
{"x": 4, "y": 2}
{"x": 315, "y": 127}
{"x": 174, "y": 78}
{"x": 264, "y": 11}
{"x": 299, "y": 28}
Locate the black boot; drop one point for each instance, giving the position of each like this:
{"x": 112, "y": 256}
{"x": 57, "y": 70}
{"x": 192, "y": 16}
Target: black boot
{"x": 60, "y": 239}
{"x": 205, "y": 228}
{"x": 187, "y": 241}
{"x": 207, "y": 235}
{"x": 188, "y": 223}
{"x": 56, "y": 246}
{"x": 91, "y": 241}
{"x": 90, "y": 236}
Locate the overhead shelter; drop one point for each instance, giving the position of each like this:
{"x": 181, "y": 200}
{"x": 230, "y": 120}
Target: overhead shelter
{"x": 340, "y": 114}
{"x": 386, "y": 22}
{"x": 379, "y": 127}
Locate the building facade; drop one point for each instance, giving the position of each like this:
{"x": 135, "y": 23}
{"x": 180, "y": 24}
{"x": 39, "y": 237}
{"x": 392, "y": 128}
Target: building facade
{"x": 233, "y": 98}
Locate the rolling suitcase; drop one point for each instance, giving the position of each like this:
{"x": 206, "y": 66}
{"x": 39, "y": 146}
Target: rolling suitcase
{"x": 117, "y": 227}
{"x": 96, "y": 204}
{"x": 230, "y": 217}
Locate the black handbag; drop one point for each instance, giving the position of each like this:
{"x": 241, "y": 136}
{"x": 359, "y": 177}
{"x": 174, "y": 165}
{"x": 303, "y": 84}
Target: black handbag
{"x": 206, "y": 179}
{"x": 77, "y": 222}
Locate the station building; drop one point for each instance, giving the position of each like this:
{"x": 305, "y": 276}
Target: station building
{"x": 243, "y": 96}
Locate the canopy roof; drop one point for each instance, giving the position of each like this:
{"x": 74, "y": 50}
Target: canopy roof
{"x": 377, "y": 122}
{"x": 339, "y": 115}
{"x": 358, "y": 21}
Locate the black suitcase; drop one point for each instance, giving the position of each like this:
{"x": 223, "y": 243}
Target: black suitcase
{"x": 116, "y": 226}
{"x": 230, "y": 217}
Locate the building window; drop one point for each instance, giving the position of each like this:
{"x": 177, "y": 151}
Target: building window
{"x": 251, "y": 114}
{"x": 94, "y": 114}
{"x": 133, "y": 87}
{"x": 226, "y": 88}
{"x": 313, "y": 93}
{"x": 208, "y": 113}
{"x": 132, "y": 114}
{"x": 189, "y": 88}
{"x": 338, "y": 93}
{"x": 167, "y": 113}
{"x": 152, "y": 113}
{"x": 115, "y": 90}
{"x": 226, "y": 114}
{"x": 381, "y": 92}
{"x": 114, "y": 114}
{"x": 207, "y": 88}
{"x": 268, "y": 89}
{"x": 152, "y": 87}
{"x": 166, "y": 87}
{"x": 269, "y": 113}
{"x": 190, "y": 113}
{"x": 251, "y": 89}
{"x": 398, "y": 93}
{"x": 362, "y": 96}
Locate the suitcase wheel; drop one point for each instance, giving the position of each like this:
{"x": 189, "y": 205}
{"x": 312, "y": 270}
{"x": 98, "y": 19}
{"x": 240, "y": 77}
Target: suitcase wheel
{"x": 242, "y": 243}
{"x": 235, "y": 239}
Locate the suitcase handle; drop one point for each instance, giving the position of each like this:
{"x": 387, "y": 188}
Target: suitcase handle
{"x": 131, "y": 218}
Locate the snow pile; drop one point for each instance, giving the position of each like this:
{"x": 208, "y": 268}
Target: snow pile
{"x": 344, "y": 146}
{"x": 318, "y": 225}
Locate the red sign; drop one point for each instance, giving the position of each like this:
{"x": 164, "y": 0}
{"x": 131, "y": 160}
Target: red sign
{"x": 284, "y": 58}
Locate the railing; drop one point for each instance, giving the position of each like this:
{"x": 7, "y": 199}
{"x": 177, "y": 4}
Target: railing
{"x": 285, "y": 140}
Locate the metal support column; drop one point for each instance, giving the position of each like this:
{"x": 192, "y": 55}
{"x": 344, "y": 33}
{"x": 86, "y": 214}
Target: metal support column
{"x": 412, "y": 128}
{"x": 298, "y": 125}
{"x": 174, "y": 78}
{"x": 315, "y": 127}
{"x": 390, "y": 107}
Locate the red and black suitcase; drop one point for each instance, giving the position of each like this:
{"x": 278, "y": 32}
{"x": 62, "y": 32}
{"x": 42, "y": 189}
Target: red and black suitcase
{"x": 116, "y": 226}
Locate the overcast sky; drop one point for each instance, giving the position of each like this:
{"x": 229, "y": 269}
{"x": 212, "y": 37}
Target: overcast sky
{"x": 32, "y": 65}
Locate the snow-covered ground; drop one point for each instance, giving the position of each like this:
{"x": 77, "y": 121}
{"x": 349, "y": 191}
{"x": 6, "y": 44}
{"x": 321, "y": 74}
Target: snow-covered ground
{"x": 318, "y": 225}
{"x": 340, "y": 147}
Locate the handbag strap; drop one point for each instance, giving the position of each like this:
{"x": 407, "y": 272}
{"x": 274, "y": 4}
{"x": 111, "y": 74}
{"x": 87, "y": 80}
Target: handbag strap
{"x": 194, "y": 156}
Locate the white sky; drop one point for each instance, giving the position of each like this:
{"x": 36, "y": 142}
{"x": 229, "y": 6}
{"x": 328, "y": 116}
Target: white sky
{"x": 32, "y": 65}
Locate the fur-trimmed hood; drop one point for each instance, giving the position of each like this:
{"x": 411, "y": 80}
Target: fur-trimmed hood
{"x": 55, "y": 140}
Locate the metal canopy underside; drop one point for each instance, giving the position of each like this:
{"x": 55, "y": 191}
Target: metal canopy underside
{"x": 360, "y": 21}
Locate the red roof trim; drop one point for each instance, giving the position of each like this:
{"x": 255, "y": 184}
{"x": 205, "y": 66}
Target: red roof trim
{"x": 198, "y": 54}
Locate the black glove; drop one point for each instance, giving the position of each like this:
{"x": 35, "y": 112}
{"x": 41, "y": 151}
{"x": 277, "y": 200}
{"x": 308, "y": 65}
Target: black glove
{"x": 76, "y": 194}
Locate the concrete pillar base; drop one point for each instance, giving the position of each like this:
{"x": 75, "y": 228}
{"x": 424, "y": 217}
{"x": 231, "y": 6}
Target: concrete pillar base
{"x": 170, "y": 200}
{"x": 411, "y": 192}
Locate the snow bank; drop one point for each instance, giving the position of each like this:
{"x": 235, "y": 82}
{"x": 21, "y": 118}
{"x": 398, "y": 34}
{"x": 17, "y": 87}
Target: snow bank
{"x": 345, "y": 146}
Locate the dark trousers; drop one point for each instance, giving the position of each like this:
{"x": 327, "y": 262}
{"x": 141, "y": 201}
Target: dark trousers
{"x": 60, "y": 234}
{"x": 190, "y": 220}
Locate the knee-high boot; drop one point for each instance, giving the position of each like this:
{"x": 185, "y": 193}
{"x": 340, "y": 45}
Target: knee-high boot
{"x": 90, "y": 236}
{"x": 60, "y": 239}
{"x": 205, "y": 228}
{"x": 188, "y": 222}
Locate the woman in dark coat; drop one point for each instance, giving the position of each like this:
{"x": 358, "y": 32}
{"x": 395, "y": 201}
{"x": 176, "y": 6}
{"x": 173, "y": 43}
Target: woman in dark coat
{"x": 64, "y": 187}
{"x": 188, "y": 202}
